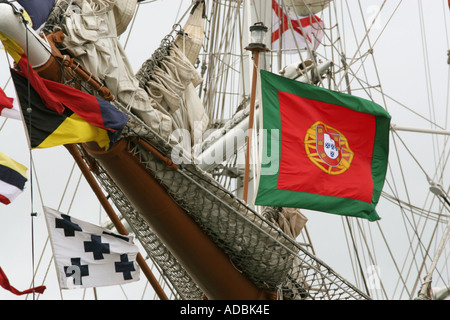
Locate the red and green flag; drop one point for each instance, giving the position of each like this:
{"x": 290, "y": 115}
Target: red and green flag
{"x": 322, "y": 150}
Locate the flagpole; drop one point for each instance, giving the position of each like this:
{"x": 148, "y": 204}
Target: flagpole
{"x": 258, "y": 30}
{"x": 114, "y": 218}
{"x": 250, "y": 124}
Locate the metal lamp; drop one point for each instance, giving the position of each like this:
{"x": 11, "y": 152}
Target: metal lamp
{"x": 257, "y": 35}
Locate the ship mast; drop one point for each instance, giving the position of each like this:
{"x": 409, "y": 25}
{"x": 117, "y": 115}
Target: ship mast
{"x": 256, "y": 14}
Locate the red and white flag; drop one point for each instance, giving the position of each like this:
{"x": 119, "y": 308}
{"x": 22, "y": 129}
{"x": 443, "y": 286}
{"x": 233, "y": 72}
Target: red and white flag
{"x": 306, "y": 32}
{"x": 5, "y": 101}
{"x": 9, "y": 107}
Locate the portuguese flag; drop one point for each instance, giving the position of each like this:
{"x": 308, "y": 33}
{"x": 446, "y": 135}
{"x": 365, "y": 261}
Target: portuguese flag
{"x": 321, "y": 150}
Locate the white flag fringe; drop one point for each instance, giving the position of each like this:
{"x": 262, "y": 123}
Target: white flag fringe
{"x": 89, "y": 256}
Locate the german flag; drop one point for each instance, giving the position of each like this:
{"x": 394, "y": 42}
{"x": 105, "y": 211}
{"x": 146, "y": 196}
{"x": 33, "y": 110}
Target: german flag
{"x": 12, "y": 178}
{"x": 48, "y": 128}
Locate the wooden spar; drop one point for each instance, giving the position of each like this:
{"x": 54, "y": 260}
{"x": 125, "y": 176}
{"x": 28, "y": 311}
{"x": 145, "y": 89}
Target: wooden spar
{"x": 250, "y": 124}
{"x": 114, "y": 218}
{"x": 255, "y": 52}
{"x": 208, "y": 266}
{"x": 73, "y": 67}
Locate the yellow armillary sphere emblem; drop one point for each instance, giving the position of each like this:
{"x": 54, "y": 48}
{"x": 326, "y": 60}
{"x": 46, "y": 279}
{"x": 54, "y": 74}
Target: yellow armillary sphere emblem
{"x": 328, "y": 148}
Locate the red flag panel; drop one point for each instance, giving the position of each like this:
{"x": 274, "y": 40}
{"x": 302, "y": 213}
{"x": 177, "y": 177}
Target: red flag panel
{"x": 297, "y": 170}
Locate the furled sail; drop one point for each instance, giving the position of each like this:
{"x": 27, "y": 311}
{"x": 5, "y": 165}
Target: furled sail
{"x": 170, "y": 83}
{"x": 166, "y": 99}
{"x": 307, "y": 7}
{"x": 91, "y": 38}
{"x": 170, "y": 79}
{"x": 190, "y": 39}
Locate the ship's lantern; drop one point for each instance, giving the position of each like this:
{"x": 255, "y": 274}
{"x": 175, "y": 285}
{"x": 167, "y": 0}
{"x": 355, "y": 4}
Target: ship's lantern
{"x": 257, "y": 34}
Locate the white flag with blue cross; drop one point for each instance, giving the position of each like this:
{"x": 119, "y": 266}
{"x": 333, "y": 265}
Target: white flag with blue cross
{"x": 89, "y": 256}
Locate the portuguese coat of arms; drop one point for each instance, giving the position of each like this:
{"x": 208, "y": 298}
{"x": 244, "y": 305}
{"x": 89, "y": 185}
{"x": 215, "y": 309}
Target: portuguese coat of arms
{"x": 328, "y": 148}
